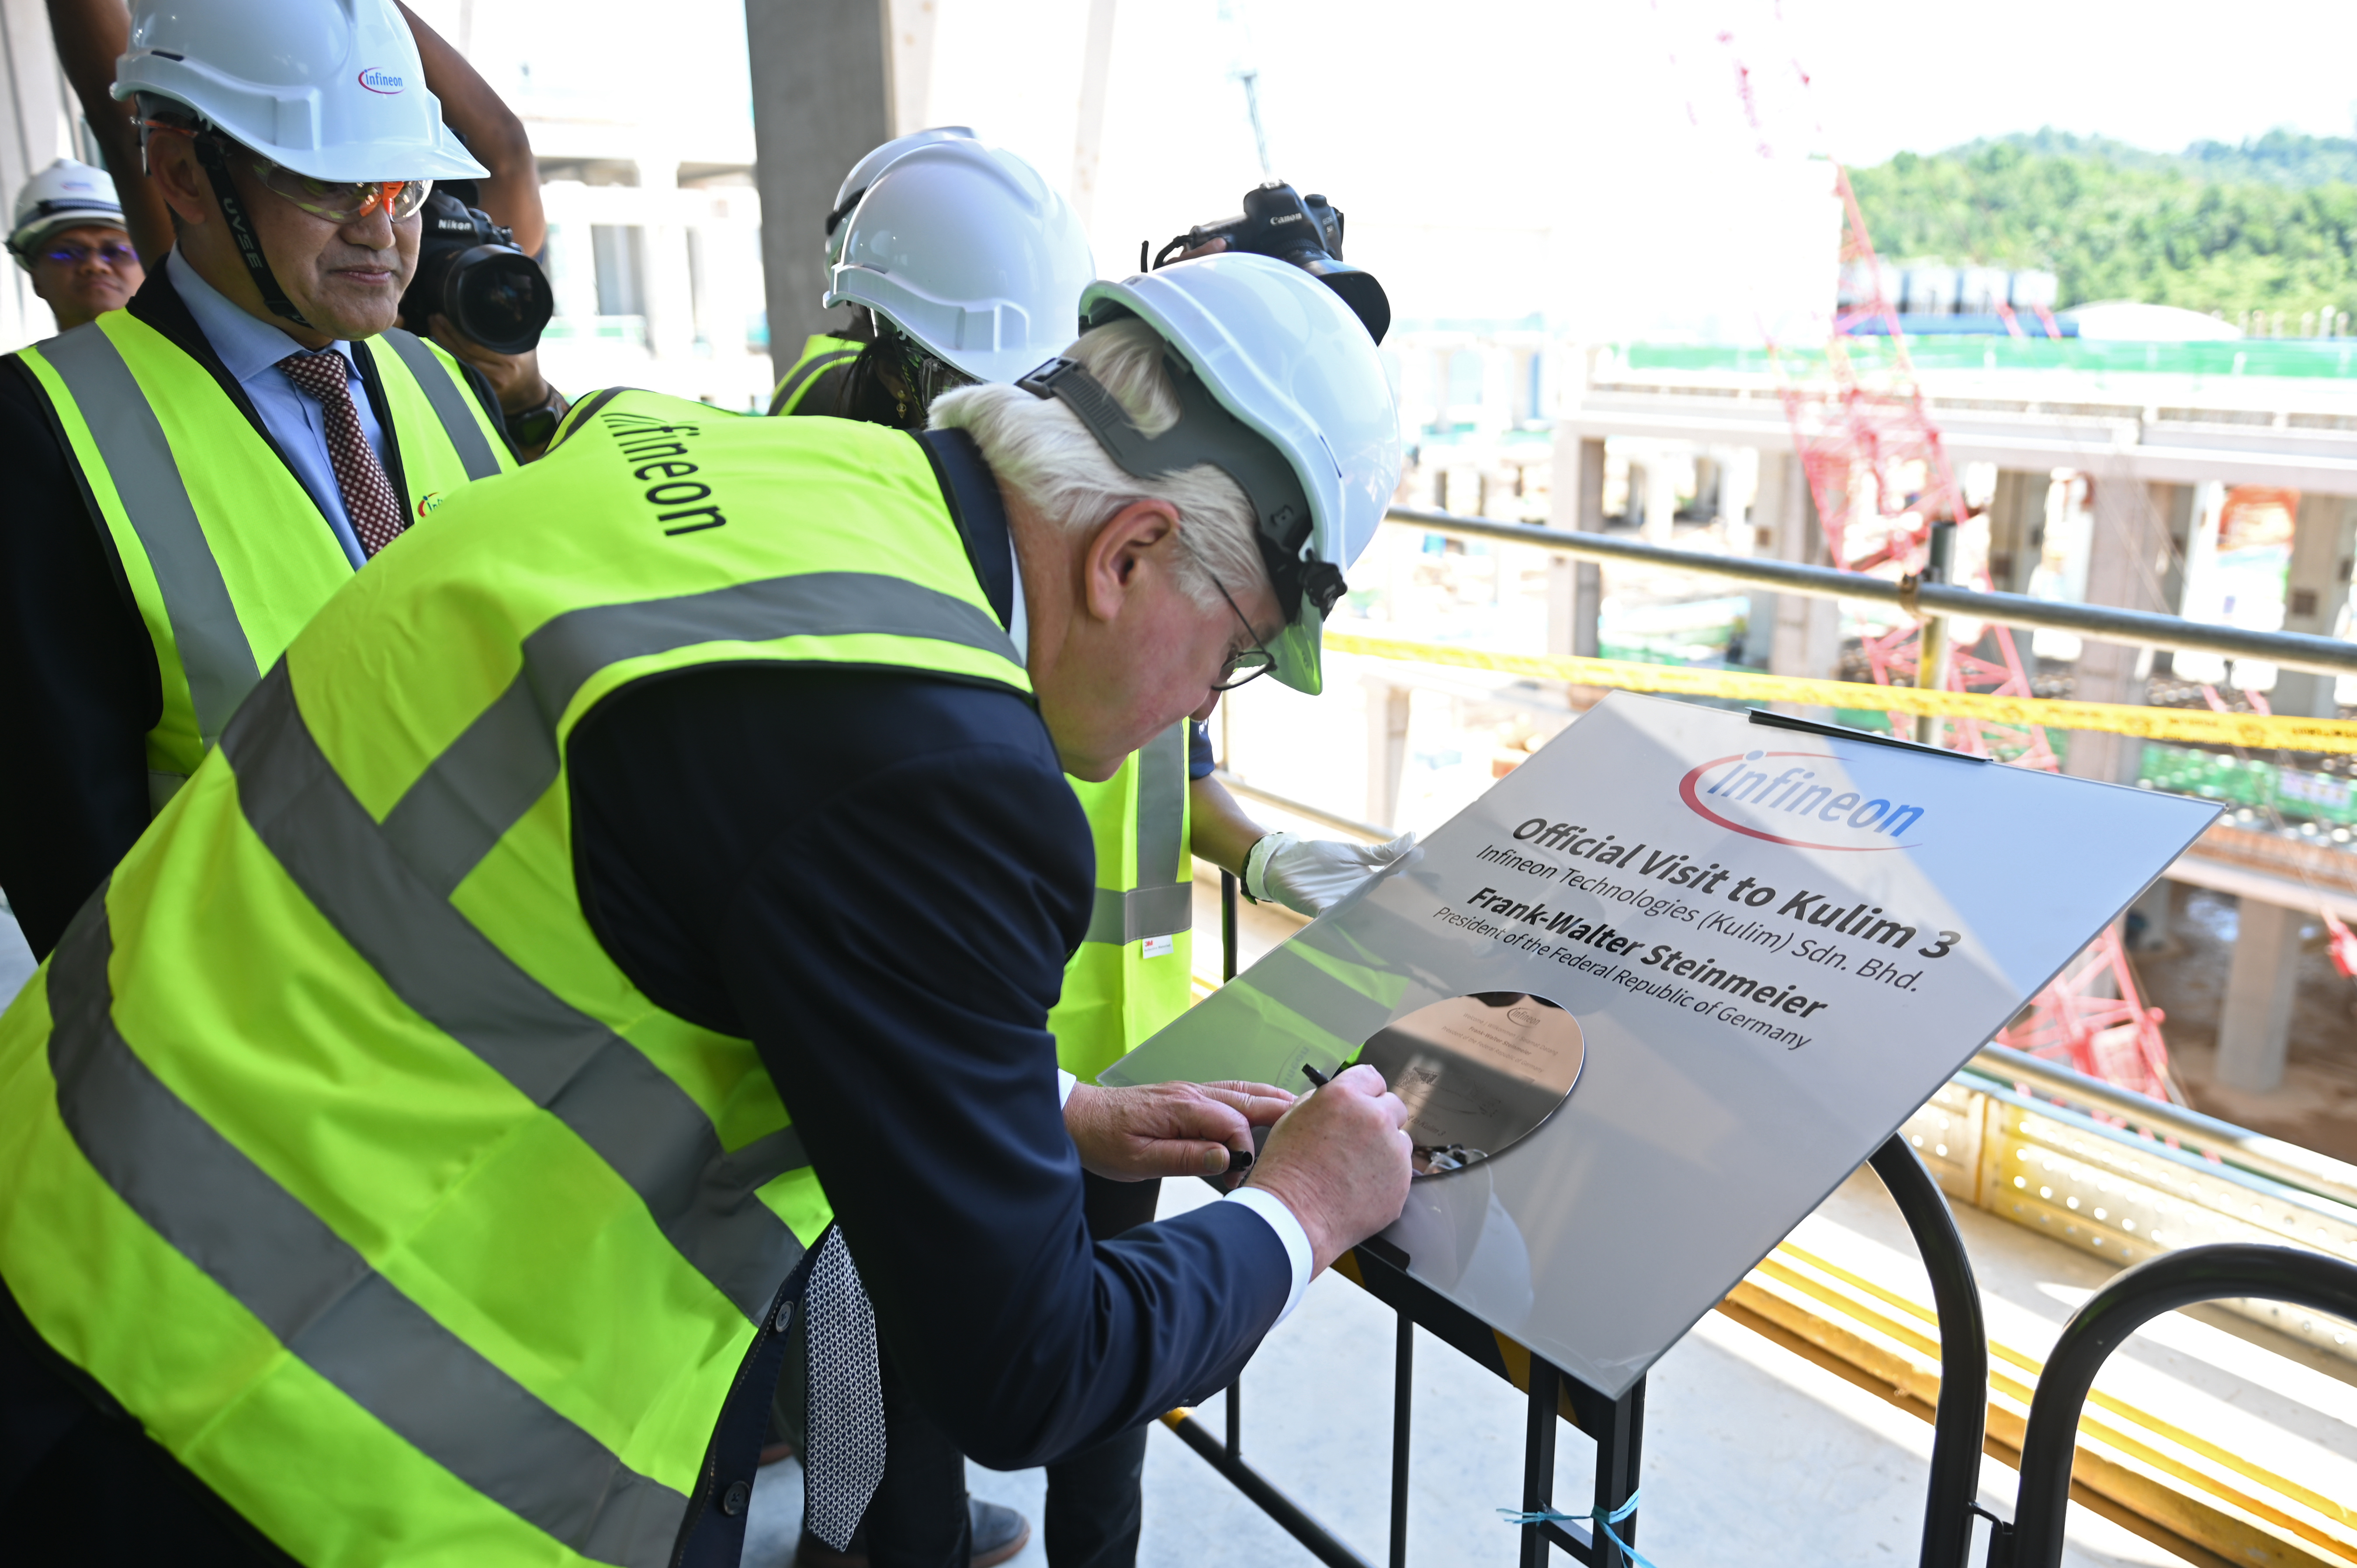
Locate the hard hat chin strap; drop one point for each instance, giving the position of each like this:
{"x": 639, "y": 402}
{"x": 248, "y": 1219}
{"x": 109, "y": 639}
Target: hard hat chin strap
{"x": 1206, "y": 433}
{"x": 240, "y": 227}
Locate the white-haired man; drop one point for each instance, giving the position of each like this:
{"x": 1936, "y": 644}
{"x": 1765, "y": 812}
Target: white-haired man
{"x": 645, "y": 897}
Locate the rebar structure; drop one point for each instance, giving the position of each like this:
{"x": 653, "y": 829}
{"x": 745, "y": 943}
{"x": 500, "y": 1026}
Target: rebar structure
{"x": 1881, "y": 481}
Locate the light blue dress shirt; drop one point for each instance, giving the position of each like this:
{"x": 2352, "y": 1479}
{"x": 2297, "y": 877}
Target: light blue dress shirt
{"x": 250, "y": 348}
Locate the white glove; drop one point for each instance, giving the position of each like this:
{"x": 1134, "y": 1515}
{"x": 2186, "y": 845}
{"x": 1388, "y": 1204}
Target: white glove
{"x": 1309, "y": 875}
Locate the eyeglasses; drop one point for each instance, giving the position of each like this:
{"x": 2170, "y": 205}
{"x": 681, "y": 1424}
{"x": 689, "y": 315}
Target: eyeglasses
{"x": 114, "y": 252}
{"x": 1243, "y": 668}
{"x": 343, "y": 201}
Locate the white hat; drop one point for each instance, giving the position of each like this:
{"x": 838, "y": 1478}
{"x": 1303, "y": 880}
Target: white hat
{"x": 65, "y": 195}
{"x": 1284, "y": 360}
{"x": 332, "y": 89}
{"x": 863, "y": 175}
{"x": 968, "y": 252}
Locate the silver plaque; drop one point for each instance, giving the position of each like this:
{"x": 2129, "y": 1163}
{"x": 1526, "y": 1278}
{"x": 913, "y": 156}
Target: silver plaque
{"x": 1478, "y": 1073}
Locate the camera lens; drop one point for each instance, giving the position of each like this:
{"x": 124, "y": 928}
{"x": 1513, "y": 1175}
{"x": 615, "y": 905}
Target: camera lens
{"x": 499, "y": 297}
{"x": 1360, "y": 291}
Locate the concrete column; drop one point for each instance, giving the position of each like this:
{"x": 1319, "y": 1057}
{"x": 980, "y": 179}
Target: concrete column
{"x": 1387, "y": 715}
{"x": 2154, "y": 907}
{"x": 1806, "y": 639}
{"x": 2127, "y": 561}
{"x": 2017, "y": 516}
{"x": 1738, "y": 473}
{"x": 1708, "y": 477}
{"x": 669, "y": 296}
{"x": 2314, "y": 591}
{"x": 909, "y": 62}
{"x": 1096, "y": 75}
{"x": 1576, "y": 588}
{"x": 2177, "y": 518}
{"x": 821, "y": 99}
{"x": 1661, "y": 498}
{"x": 2254, "y": 1024}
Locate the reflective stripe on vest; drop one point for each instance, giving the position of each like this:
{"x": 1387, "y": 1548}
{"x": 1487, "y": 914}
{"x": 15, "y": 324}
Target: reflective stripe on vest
{"x": 1117, "y": 989}
{"x": 225, "y": 554}
{"x": 581, "y": 1073}
{"x": 321, "y": 1299}
{"x": 455, "y": 1241}
{"x": 454, "y": 409}
{"x": 1158, "y": 904}
{"x": 820, "y": 355}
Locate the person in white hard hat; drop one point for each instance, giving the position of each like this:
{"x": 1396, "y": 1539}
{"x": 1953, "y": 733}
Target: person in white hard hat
{"x": 608, "y": 961}
{"x": 817, "y": 381}
{"x": 957, "y": 253}
{"x": 92, "y": 35}
{"x": 68, "y": 234}
{"x": 194, "y": 475}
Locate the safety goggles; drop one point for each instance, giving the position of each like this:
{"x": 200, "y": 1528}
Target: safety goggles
{"x": 342, "y": 201}
{"x": 337, "y": 201}
{"x": 114, "y": 252}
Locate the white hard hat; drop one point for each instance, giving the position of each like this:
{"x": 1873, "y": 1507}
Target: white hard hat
{"x": 1280, "y": 354}
{"x": 863, "y": 175}
{"x": 331, "y": 88}
{"x": 969, "y": 253}
{"x": 66, "y": 195}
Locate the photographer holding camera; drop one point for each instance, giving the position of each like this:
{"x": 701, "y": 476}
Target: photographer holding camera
{"x": 196, "y": 474}
{"x": 478, "y": 294}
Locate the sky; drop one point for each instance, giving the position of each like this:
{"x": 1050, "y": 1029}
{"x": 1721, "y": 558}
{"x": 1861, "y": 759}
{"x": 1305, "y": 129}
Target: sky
{"x": 1599, "y": 162}
{"x": 1621, "y": 167}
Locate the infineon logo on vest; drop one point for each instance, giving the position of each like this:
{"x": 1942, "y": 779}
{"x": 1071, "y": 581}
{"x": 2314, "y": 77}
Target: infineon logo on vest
{"x": 1781, "y": 797}
{"x": 659, "y": 453}
{"x": 377, "y": 80}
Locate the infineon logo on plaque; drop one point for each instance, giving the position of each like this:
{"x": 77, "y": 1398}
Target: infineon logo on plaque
{"x": 1676, "y": 975}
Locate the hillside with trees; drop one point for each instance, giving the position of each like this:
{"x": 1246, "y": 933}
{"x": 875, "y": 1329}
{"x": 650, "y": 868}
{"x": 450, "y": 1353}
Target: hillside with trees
{"x": 2269, "y": 225}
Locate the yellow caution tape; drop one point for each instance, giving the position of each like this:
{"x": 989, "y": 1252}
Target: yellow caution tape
{"x": 2256, "y": 731}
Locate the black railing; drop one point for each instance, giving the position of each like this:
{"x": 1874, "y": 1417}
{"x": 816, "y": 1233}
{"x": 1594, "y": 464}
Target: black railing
{"x": 2102, "y": 1325}
{"x": 2290, "y": 649}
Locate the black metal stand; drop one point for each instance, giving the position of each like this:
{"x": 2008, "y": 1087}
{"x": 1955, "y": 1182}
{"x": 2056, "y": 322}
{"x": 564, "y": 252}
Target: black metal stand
{"x": 1616, "y": 1425}
{"x": 1960, "y": 1420}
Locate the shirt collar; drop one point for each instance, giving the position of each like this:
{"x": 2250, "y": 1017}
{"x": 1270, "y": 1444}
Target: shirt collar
{"x": 247, "y": 344}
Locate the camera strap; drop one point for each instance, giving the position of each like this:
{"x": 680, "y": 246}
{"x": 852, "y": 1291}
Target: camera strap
{"x": 241, "y": 228}
{"x": 1206, "y": 433}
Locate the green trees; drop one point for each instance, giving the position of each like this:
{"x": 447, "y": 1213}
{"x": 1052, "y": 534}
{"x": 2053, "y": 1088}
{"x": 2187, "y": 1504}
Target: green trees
{"x": 2269, "y": 225}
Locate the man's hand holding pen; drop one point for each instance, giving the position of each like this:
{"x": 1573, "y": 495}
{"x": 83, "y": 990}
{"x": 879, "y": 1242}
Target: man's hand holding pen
{"x": 1338, "y": 1159}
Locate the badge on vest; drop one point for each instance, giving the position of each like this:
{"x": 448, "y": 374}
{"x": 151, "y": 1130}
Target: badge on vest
{"x": 1161, "y": 947}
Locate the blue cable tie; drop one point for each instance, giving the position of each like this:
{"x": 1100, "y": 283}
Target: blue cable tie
{"x": 1602, "y": 1521}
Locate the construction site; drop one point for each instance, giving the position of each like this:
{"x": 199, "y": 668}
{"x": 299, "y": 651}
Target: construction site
{"x": 1917, "y": 498}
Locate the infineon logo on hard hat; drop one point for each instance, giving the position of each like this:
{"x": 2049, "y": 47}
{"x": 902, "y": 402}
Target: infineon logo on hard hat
{"x": 1779, "y": 796}
{"x": 377, "y": 79}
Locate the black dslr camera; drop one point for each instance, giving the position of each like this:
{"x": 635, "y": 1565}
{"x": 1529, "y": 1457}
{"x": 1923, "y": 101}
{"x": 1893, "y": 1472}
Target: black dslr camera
{"x": 1305, "y": 231}
{"x": 469, "y": 270}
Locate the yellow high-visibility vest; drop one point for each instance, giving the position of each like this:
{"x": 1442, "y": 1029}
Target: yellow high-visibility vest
{"x": 821, "y": 354}
{"x": 337, "y": 1149}
{"x": 225, "y": 553}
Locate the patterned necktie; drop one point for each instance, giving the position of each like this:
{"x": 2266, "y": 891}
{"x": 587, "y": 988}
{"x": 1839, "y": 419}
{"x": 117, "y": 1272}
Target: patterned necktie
{"x": 843, "y": 1450}
{"x": 377, "y": 515}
